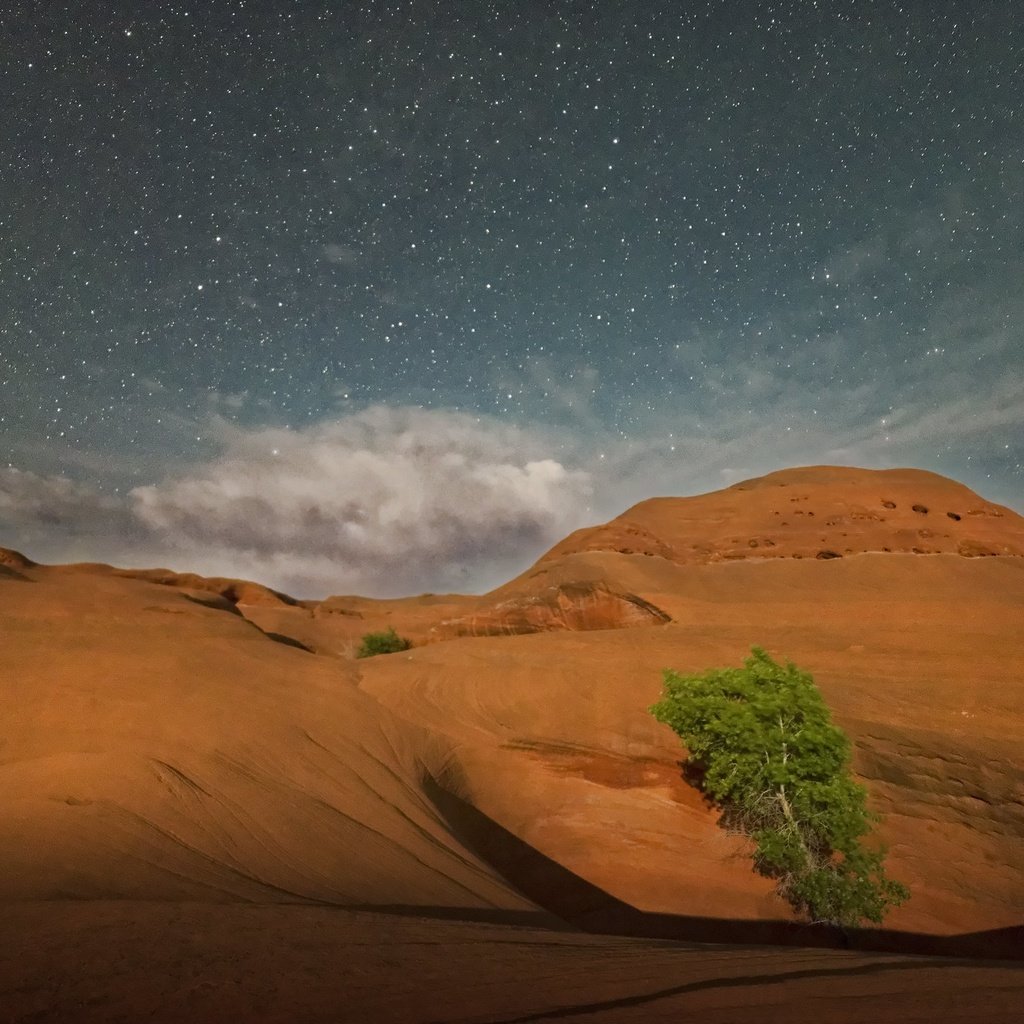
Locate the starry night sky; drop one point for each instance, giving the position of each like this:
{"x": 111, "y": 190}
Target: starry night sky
{"x": 392, "y": 295}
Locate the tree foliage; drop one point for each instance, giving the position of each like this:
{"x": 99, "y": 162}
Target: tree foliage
{"x": 386, "y": 642}
{"x": 763, "y": 743}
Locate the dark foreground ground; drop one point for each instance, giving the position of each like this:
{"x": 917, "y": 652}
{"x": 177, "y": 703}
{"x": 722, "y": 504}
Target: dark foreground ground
{"x": 72, "y": 961}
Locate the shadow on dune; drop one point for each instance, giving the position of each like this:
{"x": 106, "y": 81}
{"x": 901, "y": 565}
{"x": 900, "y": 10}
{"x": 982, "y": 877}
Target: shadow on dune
{"x": 589, "y": 908}
{"x": 474, "y": 915}
{"x": 288, "y": 641}
{"x": 706, "y": 984}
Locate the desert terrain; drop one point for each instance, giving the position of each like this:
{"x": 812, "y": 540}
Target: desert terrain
{"x": 213, "y": 811}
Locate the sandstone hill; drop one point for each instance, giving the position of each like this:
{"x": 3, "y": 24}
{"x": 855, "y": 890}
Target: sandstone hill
{"x": 820, "y": 512}
{"x": 175, "y": 741}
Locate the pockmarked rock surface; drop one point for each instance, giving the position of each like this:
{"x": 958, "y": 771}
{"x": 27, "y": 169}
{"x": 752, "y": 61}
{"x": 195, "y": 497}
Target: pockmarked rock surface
{"x": 822, "y": 512}
{"x": 176, "y": 741}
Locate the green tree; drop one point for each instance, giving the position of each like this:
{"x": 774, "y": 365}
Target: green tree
{"x": 386, "y": 642}
{"x": 761, "y": 741}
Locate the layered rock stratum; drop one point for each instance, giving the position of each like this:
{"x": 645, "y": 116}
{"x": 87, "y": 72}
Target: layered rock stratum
{"x": 211, "y": 745}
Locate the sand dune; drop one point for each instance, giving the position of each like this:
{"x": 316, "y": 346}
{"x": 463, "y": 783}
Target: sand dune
{"x": 172, "y": 741}
{"x": 159, "y": 746}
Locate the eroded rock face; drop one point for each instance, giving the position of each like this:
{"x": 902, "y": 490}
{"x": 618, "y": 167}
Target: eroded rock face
{"x": 566, "y": 606}
{"x": 622, "y": 535}
{"x": 818, "y": 512}
{"x": 234, "y": 591}
{"x": 231, "y": 590}
{"x": 15, "y": 559}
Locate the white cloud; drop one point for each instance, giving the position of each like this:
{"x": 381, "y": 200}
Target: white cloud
{"x": 401, "y": 500}
{"x": 384, "y": 501}
{"x": 34, "y": 504}
{"x": 52, "y": 518}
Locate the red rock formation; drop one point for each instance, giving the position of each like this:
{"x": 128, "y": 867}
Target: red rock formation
{"x": 15, "y": 559}
{"x": 818, "y": 512}
{"x": 574, "y": 606}
{"x": 232, "y": 590}
{"x": 158, "y": 749}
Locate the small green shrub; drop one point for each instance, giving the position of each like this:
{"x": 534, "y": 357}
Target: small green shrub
{"x": 762, "y": 742}
{"x": 387, "y": 642}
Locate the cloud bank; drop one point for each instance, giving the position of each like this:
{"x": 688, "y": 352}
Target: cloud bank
{"x": 386, "y": 501}
{"x": 37, "y": 506}
{"x": 398, "y": 500}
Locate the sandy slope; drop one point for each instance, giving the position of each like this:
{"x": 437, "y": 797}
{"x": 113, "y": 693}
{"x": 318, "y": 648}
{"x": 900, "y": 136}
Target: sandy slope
{"x": 173, "y": 739}
{"x": 157, "y": 745}
{"x": 552, "y": 738}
